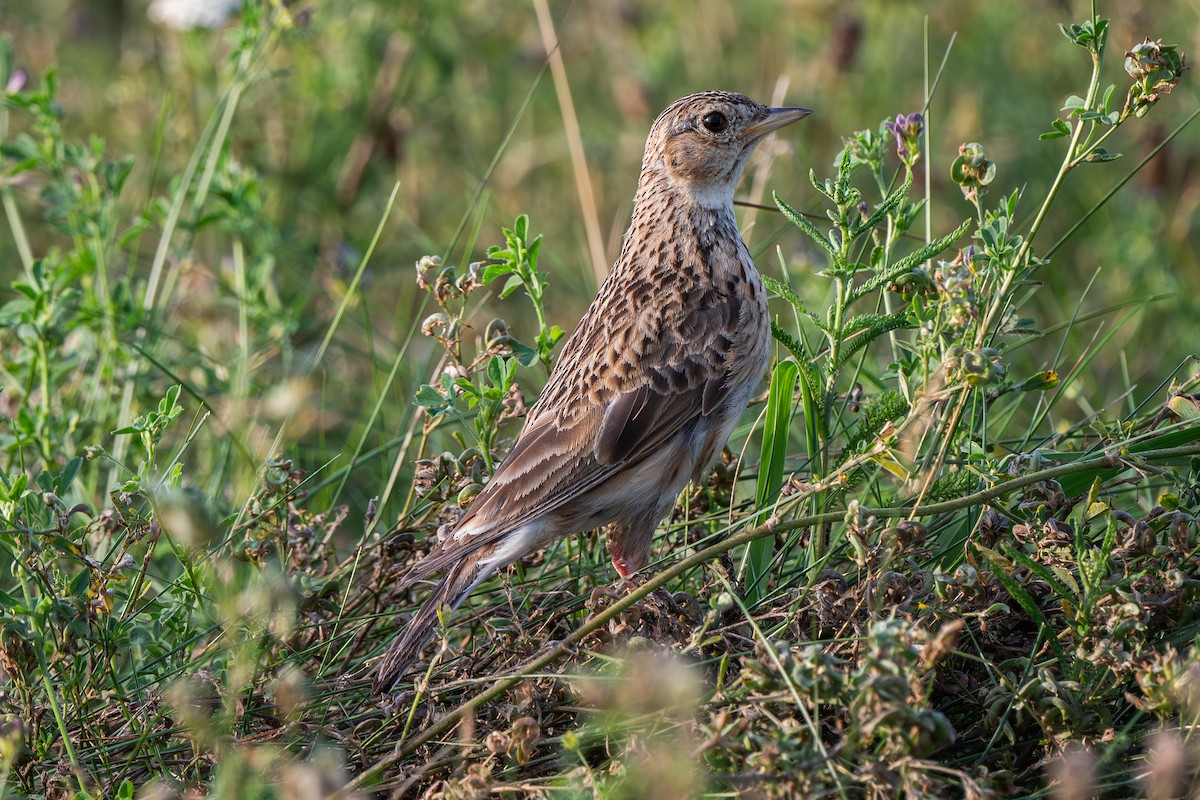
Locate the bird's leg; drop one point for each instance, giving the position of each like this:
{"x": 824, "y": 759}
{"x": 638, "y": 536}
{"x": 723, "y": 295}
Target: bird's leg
{"x": 629, "y": 544}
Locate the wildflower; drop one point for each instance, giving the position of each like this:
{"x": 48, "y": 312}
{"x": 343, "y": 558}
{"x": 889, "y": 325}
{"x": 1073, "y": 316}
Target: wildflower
{"x": 184, "y": 15}
{"x": 907, "y": 129}
{"x": 16, "y": 81}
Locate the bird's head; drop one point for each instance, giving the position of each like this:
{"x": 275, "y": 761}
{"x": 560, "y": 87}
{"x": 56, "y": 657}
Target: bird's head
{"x": 700, "y": 143}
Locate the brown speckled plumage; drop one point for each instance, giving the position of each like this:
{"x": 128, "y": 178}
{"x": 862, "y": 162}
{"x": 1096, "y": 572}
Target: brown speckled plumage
{"x": 650, "y": 384}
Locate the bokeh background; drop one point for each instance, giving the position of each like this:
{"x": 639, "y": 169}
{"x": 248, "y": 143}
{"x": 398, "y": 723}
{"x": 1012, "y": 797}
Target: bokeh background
{"x": 453, "y": 101}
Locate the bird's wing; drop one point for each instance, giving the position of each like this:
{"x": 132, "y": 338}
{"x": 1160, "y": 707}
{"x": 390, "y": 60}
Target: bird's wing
{"x": 603, "y": 410}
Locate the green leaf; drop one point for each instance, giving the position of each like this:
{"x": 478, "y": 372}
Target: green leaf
{"x": 861, "y": 322}
{"x": 495, "y": 371}
{"x": 1085, "y": 35}
{"x": 426, "y": 396}
{"x": 524, "y": 353}
{"x": 1071, "y": 33}
{"x": 22, "y": 148}
{"x": 907, "y": 263}
{"x": 6, "y": 59}
{"x": 1184, "y": 408}
{"x": 32, "y": 292}
{"x": 843, "y": 178}
{"x": 785, "y": 338}
{"x": 511, "y": 285}
{"x": 803, "y": 223}
{"x": 1054, "y": 134}
{"x": 770, "y": 473}
{"x": 880, "y": 326}
{"x": 67, "y": 476}
{"x": 775, "y": 431}
{"x": 531, "y": 255}
{"x": 167, "y": 404}
{"x": 893, "y": 200}
{"x": 1046, "y": 379}
{"x": 783, "y": 290}
{"x": 1100, "y": 154}
{"x": 116, "y": 173}
{"x": 495, "y": 270}
{"x": 813, "y": 401}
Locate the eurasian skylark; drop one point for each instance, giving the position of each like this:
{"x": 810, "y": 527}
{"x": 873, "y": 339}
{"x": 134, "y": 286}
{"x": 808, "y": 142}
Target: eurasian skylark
{"x": 647, "y": 388}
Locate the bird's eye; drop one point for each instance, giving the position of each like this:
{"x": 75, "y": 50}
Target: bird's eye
{"x": 715, "y": 121}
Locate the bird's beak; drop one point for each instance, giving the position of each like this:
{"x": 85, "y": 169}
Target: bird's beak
{"x": 776, "y": 118}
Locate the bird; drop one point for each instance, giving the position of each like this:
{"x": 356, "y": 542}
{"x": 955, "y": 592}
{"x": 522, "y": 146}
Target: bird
{"x": 647, "y": 388}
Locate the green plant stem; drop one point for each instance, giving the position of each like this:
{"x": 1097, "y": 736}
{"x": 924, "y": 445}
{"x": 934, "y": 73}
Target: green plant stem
{"x": 18, "y": 229}
{"x": 43, "y": 416}
{"x": 835, "y": 347}
{"x": 539, "y": 663}
{"x": 1022, "y": 256}
{"x": 354, "y": 284}
{"x": 242, "y": 386}
{"x": 1090, "y": 147}
{"x": 10, "y": 210}
{"x": 1100, "y": 204}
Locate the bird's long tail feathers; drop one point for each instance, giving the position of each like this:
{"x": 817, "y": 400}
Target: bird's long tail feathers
{"x": 449, "y": 592}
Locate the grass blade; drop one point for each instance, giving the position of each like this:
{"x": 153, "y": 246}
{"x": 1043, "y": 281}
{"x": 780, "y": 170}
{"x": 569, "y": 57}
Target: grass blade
{"x": 770, "y": 474}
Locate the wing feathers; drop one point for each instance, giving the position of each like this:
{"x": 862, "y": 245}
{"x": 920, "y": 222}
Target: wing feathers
{"x": 590, "y": 434}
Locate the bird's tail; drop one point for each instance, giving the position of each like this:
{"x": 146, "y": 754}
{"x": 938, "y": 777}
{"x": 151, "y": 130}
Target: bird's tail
{"x": 446, "y": 596}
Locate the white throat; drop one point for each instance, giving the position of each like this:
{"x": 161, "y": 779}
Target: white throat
{"x": 715, "y": 197}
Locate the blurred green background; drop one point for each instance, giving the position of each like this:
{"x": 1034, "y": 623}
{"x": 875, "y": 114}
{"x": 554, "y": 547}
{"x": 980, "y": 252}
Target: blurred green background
{"x": 364, "y": 95}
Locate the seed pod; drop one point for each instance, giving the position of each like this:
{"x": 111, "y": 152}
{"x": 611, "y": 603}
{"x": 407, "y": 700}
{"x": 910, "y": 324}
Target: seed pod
{"x": 436, "y": 326}
{"x": 496, "y": 332}
{"x": 468, "y": 494}
{"x": 427, "y": 267}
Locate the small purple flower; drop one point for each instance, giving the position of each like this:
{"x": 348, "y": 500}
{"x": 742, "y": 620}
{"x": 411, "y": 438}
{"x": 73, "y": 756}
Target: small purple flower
{"x": 16, "y": 81}
{"x": 907, "y": 130}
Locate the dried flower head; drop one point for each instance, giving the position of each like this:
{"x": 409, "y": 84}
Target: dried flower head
{"x": 1156, "y": 69}
{"x": 428, "y": 268}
